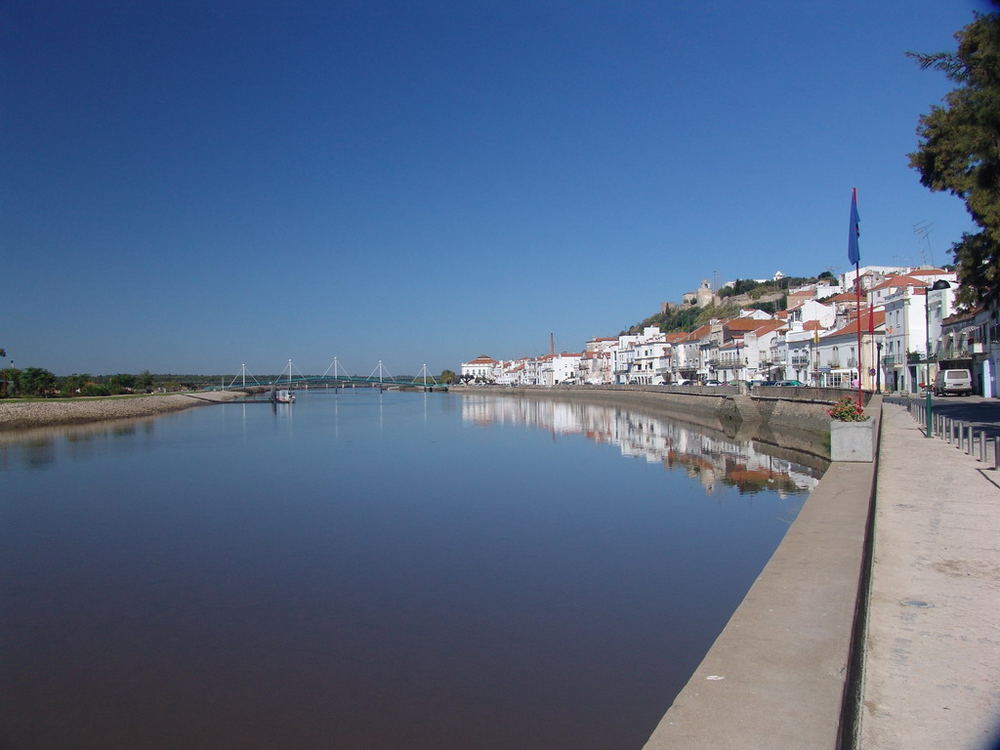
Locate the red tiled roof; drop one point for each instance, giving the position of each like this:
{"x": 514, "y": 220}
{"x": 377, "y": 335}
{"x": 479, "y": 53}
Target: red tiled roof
{"x": 842, "y": 297}
{"x": 898, "y": 281}
{"x": 769, "y": 325}
{"x": 852, "y": 327}
{"x": 699, "y": 333}
{"x": 743, "y": 324}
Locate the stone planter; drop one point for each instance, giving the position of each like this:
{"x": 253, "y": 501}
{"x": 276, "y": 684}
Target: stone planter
{"x": 852, "y": 441}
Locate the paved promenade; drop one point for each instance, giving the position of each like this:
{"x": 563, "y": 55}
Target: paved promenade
{"x": 932, "y": 666}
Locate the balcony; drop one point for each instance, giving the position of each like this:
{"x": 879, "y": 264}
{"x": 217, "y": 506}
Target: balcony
{"x": 800, "y": 363}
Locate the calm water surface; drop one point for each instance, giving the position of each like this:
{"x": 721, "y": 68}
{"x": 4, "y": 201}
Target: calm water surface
{"x": 365, "y": 570}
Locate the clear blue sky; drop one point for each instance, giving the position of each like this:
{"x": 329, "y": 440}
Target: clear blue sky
{"x": 188, "y": 186}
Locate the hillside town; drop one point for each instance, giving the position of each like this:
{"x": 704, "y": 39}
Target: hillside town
{"x": 812, "y": 342}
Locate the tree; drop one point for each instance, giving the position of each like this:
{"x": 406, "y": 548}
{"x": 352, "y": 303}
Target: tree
{"x": 74, "y": 383}
{"x": 36, "y": 381}
{"x": 959, "y": 151}
{"x": 121, "y": 383}
{"x": 448, "y": 377}
{"x": 8, "y": 381}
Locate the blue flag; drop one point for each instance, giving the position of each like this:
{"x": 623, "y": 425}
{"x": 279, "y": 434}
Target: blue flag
{"x": 853, "y": 254}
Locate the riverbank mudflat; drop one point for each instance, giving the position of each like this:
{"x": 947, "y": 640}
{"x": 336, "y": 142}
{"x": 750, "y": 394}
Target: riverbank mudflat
{"x": 29, "y": 414}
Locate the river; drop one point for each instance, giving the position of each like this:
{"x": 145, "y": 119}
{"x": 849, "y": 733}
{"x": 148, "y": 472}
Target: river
{"x": 372, "y": 570}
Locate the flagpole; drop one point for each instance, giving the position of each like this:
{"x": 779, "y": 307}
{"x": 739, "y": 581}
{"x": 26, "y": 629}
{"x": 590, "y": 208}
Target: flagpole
{"x": 854, "y": 256}
{"x": 871, "y": 338}
{"x": 857, "y": 286}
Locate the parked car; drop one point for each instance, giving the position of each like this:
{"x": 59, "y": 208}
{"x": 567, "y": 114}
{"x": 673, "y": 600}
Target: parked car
{"x": 790, "y": 383}
{"x": 948, "y": 382}
{"x": 712, "y": 382}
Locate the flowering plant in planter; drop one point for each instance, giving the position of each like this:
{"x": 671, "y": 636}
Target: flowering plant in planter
{"x": 846, "y": 410}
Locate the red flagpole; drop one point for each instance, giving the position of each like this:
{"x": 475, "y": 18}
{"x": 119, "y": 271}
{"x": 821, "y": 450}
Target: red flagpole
{"x": 871, "y": 337}
{"x": 857, "y": 286}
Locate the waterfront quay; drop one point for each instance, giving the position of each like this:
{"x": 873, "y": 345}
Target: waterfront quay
{"x": 931, "y": 673}
{"x": 874, "y": 624}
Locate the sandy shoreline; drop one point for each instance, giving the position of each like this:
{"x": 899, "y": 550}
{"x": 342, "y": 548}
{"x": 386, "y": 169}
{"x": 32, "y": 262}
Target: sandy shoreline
{"x": 27, "y": 415}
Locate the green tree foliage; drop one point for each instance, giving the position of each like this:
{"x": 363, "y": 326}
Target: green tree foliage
{"x": 73, "y": 384}
{"x": 8, "y": 381}
{"x": 447, "y": 377}
{"x": 121, "y": 383}
{"x": 959, "y": 151}
{"x": 34, "y": 381}
{"x": 686, "y": 318}
{"x": 740, "y": 286}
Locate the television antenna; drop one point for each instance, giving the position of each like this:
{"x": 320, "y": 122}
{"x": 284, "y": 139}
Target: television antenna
{"x": 923, "y": 230}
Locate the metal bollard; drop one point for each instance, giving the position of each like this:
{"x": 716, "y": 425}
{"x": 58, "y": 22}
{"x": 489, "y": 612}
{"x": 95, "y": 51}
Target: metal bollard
{"x": 951, "y": 430}
{"x": 996, "y": 453}
{"x": 982, "y": 446}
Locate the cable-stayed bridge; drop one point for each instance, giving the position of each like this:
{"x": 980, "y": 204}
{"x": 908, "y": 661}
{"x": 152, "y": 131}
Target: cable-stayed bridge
{"x": 291, "y": 378}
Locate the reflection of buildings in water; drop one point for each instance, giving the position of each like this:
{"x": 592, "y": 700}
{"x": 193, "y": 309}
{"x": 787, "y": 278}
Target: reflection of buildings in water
{"x": 711, "y": 459}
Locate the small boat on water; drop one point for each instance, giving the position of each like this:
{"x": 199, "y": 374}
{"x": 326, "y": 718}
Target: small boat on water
{"x": 284, "y": 396}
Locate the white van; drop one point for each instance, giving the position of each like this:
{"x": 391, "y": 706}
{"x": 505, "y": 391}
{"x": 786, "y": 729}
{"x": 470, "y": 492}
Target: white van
{"x": 948, "y": 382}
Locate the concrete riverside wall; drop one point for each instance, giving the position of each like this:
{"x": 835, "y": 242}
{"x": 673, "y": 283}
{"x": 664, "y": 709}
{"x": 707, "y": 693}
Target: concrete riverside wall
{"x": 781, "y": 673}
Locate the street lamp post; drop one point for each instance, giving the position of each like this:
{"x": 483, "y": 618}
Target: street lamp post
{"x": 878, "y": 367}
{"x": 938, "y": 285}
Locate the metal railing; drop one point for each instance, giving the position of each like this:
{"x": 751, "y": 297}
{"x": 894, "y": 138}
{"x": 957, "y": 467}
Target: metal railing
{"x": 961, "y": 434}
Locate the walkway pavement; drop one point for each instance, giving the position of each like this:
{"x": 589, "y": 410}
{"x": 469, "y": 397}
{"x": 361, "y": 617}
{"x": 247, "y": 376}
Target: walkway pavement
{"x": 932, "y": 657}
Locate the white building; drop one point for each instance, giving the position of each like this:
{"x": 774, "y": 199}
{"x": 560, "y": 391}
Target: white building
{"x": 651, "y": 365}
{"x": 482, "y": 369}
{"x": 837, "y": 356}
{"x": 560, "y": 368}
